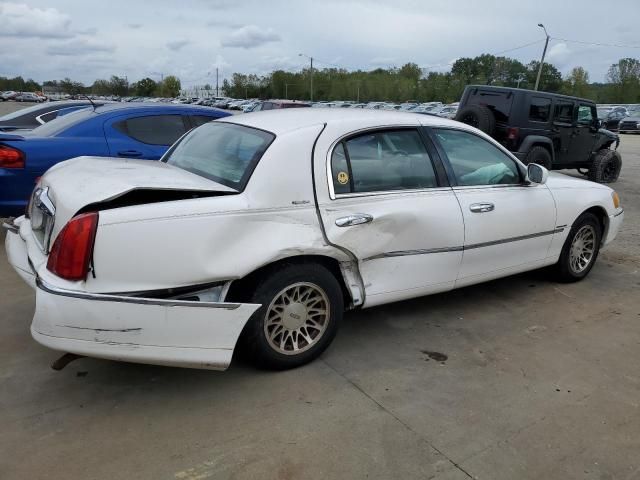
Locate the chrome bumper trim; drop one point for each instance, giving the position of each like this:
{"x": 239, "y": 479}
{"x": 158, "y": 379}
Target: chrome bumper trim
{"x": 103, "y": 297}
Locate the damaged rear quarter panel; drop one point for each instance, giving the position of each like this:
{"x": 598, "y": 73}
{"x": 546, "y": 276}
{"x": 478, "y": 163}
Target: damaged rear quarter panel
{"x": 194, "y": 241}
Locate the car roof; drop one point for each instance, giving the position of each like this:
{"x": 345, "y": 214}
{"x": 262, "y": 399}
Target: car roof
{"x": 128, "y": 106}
{"x": 286, "y": 120}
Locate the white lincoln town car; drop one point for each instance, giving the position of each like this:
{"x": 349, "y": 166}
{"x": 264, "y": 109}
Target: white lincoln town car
{"x": 260, "y": 230}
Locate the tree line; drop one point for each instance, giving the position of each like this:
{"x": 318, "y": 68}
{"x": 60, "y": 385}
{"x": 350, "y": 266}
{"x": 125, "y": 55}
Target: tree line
{"x": 408, "y": 82}
{"x": 169, "y": 86}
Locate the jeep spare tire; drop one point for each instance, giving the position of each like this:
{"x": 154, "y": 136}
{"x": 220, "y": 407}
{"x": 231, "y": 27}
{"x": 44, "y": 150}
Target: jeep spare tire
{"x": 605, "y": 167}
{"x": 478, "y": 116}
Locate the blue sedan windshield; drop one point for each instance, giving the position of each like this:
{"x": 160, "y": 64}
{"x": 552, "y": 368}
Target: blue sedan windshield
{"x": 60, "y": 124}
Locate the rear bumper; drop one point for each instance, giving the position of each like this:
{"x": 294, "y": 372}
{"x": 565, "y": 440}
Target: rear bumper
{"x": 119, "y": 327}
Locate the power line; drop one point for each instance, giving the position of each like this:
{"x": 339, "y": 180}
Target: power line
{"x": 596, "y": 44}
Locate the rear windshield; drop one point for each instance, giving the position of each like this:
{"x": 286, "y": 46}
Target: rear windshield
{"x": 223, "y": 152}
{"x": 499, "y": 102}
{"x": 62, "y": 123}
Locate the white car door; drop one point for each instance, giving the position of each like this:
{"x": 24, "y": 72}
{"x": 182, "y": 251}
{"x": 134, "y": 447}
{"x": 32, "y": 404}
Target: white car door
{"x": 390, "y": 209}
{"x": 509, "y": 225}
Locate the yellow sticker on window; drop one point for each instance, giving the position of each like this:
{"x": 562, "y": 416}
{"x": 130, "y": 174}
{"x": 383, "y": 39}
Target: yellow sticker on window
{"x": 343, "y": 178}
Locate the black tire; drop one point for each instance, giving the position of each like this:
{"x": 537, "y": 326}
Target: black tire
{"x": 478, "y": 116}
{"x": 255, "y": 343}
{"x": 564, "y": 271}
{"x": 605, "y": 166}
{"x": 539, "y": 155}
{"x": 583, "y": 171}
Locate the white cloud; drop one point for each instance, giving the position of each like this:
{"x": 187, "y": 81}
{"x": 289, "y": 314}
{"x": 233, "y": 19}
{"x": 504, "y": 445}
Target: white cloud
{"x": 21, "y": 20}
{"x": 250, "y": 36}
{"x": 177, "y": 44}
{"x": 79, "y": 47}
{"x": 559, "y": 54}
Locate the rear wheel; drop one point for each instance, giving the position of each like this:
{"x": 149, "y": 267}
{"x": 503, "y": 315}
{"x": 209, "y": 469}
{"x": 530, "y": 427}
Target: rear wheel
{"x": 605, "y": 167}
{"x": 478, "y": 116}
{"x": 580, "y": 250}
{"x": 539, "y": 155}
{"x": 302, "y": 306}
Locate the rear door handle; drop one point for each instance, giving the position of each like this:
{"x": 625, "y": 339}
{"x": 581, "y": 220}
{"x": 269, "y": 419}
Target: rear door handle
{"x": 481, "y": 207}
{"x": 355, "y": 219}
{"x": 129, "y": 153}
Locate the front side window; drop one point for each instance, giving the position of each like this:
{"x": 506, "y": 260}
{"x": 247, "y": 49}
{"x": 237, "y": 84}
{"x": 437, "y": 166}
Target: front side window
{"x": 382, "y": 161}
{"x": 475, "y": 161}
{"x": 153, "y": 129}
{"x": 540, "y": 109}
{"x": 585, "y": 115}
{"x": 563, "y": 112}
{"x": 223, "y": 152}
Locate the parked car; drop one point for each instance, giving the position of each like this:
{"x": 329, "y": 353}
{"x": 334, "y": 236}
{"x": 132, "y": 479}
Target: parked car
{"x": 9, "y": 95}
{"x": 32, "y": 117}
{"x": 277, "y": 104}
{"x": 555, "y": 131}
{"x": 611, "y": 116}
{"x": 631, "y": 123}
{"x": 29, "y": 97}
{"x": 233, "y": 234}
{"x": 127, "y": 130}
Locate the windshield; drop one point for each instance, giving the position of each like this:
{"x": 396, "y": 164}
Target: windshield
{"x": 223, "y": 152}
{"x": 61, "y": 123}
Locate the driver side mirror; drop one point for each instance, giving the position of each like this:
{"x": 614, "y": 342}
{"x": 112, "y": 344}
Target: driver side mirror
{"x": 537, "y": 174}
{"x": 597, "y": 124}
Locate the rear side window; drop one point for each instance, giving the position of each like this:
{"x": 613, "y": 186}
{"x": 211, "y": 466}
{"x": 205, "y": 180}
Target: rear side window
{"x": 563, "y": 112}
{"x": 382, "y": 161}
{"x": 153, "y": 129}
{"x": 540, "y": 109}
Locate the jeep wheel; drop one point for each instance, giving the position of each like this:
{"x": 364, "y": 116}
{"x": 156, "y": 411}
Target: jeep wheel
{"x": 478, "y": 116}
{"x": 605, "y": 167}
{"x": 539, "y": 155}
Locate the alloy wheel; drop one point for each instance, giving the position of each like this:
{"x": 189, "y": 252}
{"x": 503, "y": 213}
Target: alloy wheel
{"x": 582, "y": 249}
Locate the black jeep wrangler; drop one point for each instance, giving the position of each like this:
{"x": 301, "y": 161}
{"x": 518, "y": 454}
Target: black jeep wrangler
{"x": 555, "y": 131}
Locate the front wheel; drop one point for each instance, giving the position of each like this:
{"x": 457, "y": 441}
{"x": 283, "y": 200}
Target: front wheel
{"x": 302, "y": 306}
{"x": 580, "y": 250}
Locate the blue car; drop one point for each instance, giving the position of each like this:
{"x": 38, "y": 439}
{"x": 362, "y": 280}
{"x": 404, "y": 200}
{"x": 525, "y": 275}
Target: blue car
{"x": 143, "y": 131}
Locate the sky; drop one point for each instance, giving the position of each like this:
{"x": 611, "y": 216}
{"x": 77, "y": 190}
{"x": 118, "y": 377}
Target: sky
{"x": 89, "y": 39}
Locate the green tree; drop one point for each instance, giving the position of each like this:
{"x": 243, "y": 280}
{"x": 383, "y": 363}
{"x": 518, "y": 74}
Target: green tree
{"x": 577, "y": 83}
{"x": 101, "y": 87}
{"x": 550, "y": 79}
{"x": 71, "y": 87}
{"x": 145, "y": 87}
{"x": 169, "y": 87}
{"x": 119, "y": 86}
{"x": 624, "y": 78}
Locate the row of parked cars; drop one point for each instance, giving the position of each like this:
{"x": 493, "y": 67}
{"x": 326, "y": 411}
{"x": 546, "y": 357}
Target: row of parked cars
{"x": 22, "y": 97}
{"x": 262, "y": 229}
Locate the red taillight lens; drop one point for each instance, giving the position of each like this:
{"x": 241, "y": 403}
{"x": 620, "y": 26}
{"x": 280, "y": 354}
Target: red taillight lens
{"x": 71, "y": 253}
{"x": 11, "y": 157}
{"x": 512, "y": 133}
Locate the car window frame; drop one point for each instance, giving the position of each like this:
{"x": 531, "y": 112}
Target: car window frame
{"x": 574, "y": 112}
{"x": 436, "y": 162}
{"x": 550, "y": 114}
{"x": 453, "y": 179}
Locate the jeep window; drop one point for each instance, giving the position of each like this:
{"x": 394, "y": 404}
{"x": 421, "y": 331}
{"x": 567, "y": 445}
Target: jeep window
{"x": 222, "y": 152}
{"x": 498, "y": 102}
{"x": 475, "y": 161}
{"x": 585, "y": 114}
{"x": 540, "y": 109}
{"x": 563, "y": 112}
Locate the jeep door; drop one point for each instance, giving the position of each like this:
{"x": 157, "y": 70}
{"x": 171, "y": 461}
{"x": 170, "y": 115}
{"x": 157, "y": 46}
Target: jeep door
{"x": 585, "y": 134}
{"x": 563, "y": 129}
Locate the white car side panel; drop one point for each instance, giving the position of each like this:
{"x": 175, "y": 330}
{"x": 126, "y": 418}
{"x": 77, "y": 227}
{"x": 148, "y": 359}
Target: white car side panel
{"x": 518, "y": 212}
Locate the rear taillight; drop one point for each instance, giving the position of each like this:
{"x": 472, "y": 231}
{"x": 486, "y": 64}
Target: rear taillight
{"x": 72, "y": 250}
{"x": 11, "y": 157}
{"x": 512, "y": 133}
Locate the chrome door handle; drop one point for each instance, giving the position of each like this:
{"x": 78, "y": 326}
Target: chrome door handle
{"x": 481, "y": 207}
{"x": 355, "y": 219}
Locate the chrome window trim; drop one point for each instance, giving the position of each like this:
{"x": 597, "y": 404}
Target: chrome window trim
{"x": 104, "y": 297}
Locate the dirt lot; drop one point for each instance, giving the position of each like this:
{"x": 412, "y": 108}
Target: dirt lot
{"x": 535, "y": 380}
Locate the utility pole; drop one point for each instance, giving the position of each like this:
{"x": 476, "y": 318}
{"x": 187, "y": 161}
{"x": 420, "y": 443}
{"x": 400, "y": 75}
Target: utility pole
{"x": 311, "y": 75}
{"x": 216, "y": 81}
{"x": 544, "y": 52}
